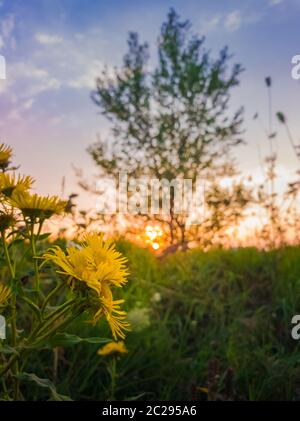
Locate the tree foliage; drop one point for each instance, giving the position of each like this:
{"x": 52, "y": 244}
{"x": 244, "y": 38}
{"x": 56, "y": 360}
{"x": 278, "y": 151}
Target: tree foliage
{"x": 170, "y": 117}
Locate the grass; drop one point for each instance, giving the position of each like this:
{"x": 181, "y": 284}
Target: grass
{"x": 205, "y": 325}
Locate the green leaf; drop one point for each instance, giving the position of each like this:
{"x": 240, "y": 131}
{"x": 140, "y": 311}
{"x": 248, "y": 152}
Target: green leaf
{"x": 44, "y": 383}
{"x": 15, "y": 242}
{"x": 66, "y": 339}
{"x": 8, "y": 350}
{"x": 33, "y": 307}
{"x": 135, "y": 398}
{"x": 42, "y": 237}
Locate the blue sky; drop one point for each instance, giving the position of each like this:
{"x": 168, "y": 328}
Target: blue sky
{"x": 54, "y": 50}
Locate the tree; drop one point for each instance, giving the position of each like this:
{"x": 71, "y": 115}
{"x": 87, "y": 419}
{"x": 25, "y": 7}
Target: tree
{"x": 169, "y": 120}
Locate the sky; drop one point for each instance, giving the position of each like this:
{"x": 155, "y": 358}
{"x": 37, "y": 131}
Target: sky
{"x": 55, "y": 49}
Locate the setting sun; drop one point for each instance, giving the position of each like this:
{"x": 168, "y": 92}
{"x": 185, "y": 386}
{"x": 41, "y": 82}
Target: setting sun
{"x": 153, "y": 234}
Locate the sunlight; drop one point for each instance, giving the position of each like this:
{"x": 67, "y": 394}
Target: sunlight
{"x": 153, "y": 234}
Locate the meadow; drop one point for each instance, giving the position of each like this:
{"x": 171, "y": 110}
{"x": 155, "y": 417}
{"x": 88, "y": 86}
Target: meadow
{"x": 212, "y": 325}
{"x": 147, "y": 304}
{"x": 204, "y": 326}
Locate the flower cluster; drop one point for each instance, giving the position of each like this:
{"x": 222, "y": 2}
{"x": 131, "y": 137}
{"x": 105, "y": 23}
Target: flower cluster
{"x": 93, "y": 269}
{"x": 97, "y": 267}
{"x": 15, "y": 195}
{"x": 12, "y": 183}
{"x": 37, "y": 207}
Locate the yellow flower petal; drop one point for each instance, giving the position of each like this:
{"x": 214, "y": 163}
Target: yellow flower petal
{"x": 113, "y": 348}
{"x": 35, "y": 206}
{"x": 5, "y": 155}
{"x": 5, "y": 293}
{"x": 99, "y": 267}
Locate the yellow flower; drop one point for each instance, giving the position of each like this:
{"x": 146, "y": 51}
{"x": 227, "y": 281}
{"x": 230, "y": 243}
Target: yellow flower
{"x": 110, "y": 308}
{"x": 5, "y": 293}
{"x": 37, "y": 207}
{"x": 10, "y": 183}
{"x": 113, "y": 348}
{"x": 5, "y": 155}
{"x": 97, "y": 265}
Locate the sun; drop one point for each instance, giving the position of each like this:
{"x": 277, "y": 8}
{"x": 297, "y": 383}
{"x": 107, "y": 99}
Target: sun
{"x": 153, "y": 234}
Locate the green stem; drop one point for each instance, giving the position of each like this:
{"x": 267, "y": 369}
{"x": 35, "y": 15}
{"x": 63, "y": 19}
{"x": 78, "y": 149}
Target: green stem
{"x": 3, "y": 378}
{"x": 35, "y": 262}
{"x": 13, "y": 312}
{"x": 113, "y": 377}
{"x": 50, "y": 295}
{"x": 51, "y": 318}
{"x": 10, "y": 363}
{"x": 64, "y": 323}
{"x": 14, "y": 358}
{"x": 7, "y": 257}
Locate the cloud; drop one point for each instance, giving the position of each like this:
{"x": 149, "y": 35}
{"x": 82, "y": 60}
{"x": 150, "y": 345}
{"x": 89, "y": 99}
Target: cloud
{"x": 43, "y": 85}
{"x": 34, "y": 80}
{"x": 7, "y": 26}
{"x": 47, "y": 39}
{"x": 17, "y": 112}
{"x": 87, "y": 79}
{"x": 28, "y": 70}
{"x": 275, "y": 2}
{"x": 14, "y": 115}
{"x": 209, "y": 25}
{"x": 233, "y": 20}
{"x": 28, "y": 104}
